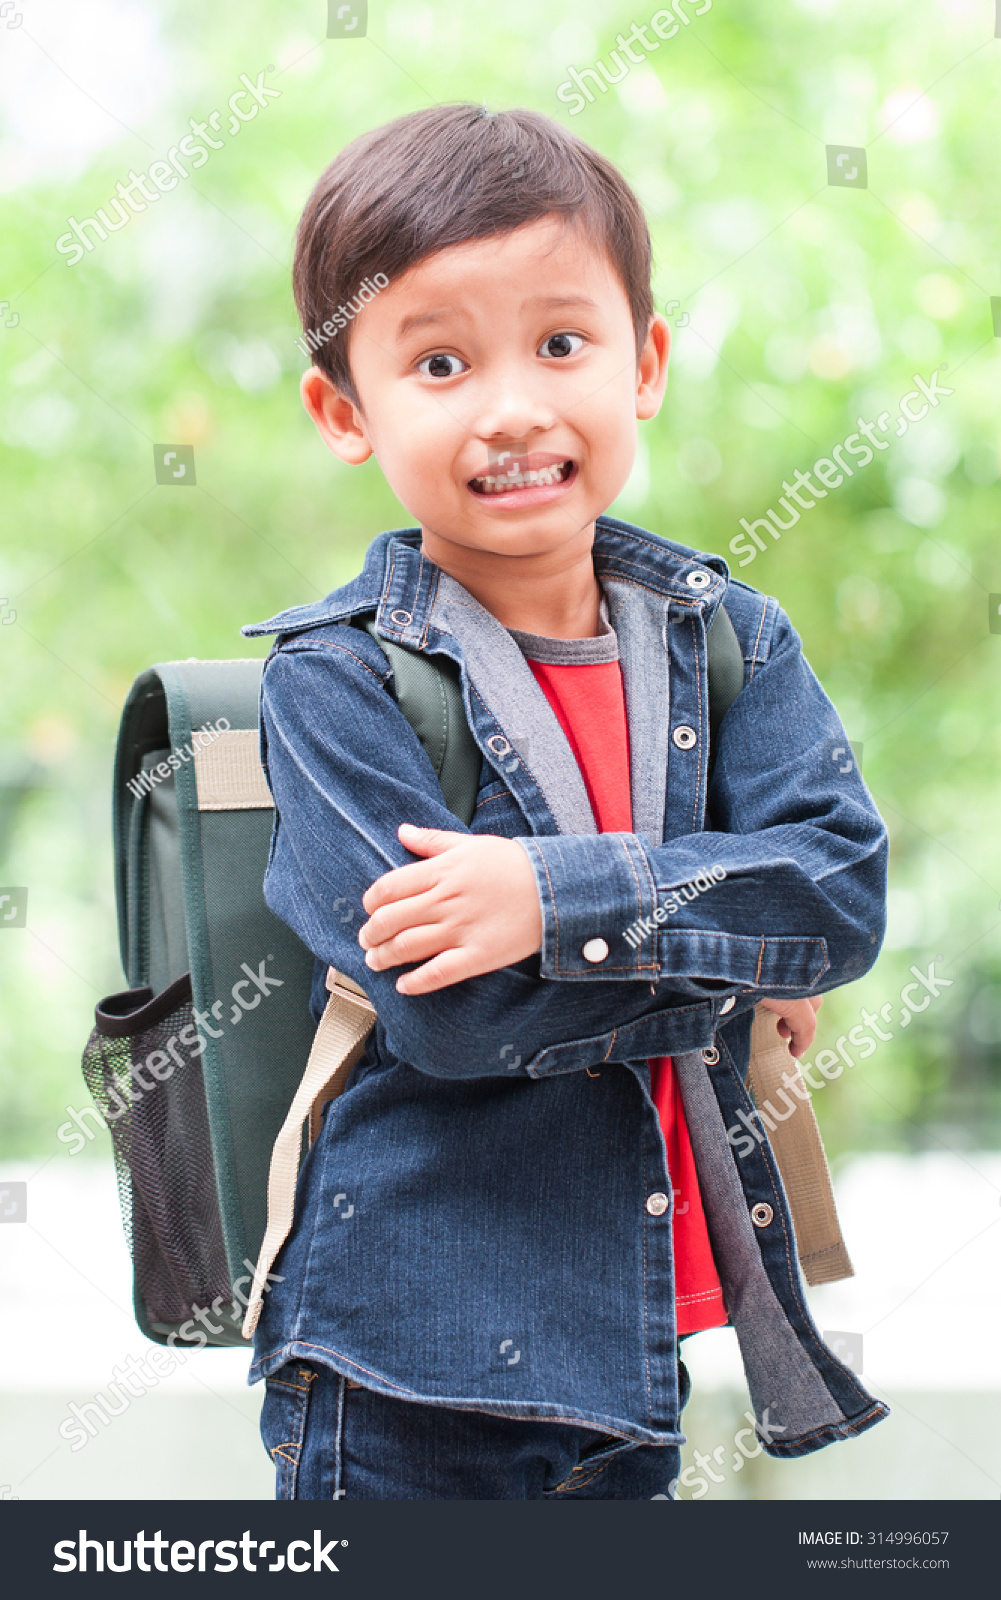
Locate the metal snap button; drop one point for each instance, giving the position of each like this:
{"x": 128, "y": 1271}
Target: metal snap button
{"x": 401, "y": 618}
{"x": 657, "y": 1204}
{"x": 594, "y": 950}
{"x": 761, "y": 1214}
{"x": 698, "y": 580}
{"x": 499, "y": 745}
{"x": 684, "y": 737}
{"x": 727, "y": 1005}
{"x": 710, "y": 1056}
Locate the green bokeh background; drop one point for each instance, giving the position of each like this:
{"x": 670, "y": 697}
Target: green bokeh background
{"x": 807, "y": 306}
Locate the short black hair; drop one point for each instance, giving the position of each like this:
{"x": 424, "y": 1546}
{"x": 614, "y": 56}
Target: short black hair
{"x": 444, "y": 176}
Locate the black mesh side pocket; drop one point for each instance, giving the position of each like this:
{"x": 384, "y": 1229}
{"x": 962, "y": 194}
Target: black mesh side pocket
{"x": 143, "y": 1069}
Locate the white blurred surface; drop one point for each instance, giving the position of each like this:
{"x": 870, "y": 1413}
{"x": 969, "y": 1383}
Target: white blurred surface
{"x": 923, "y": 1232}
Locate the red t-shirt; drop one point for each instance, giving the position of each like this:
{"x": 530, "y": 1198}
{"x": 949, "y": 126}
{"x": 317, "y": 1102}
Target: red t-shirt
{"x": 589, "y": 704}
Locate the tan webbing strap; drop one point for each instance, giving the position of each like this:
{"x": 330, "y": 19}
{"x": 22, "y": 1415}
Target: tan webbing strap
{"x": 799, "y": 1151}
{"x": 228, "y": 771}
{"x": 338, "y": 1044}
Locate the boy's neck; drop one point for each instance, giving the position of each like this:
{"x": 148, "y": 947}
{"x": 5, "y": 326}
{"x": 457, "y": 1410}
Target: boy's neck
{"x": 554, "y": 594}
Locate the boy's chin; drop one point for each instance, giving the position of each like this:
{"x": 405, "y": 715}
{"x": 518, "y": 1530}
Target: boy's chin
{"x": 496, "y": 539}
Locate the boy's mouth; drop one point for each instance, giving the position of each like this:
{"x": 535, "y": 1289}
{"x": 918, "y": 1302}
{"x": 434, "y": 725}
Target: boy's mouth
{"x": 523, "y": 477}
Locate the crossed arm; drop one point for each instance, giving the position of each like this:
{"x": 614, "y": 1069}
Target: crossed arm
{"x": 470, "y": 906}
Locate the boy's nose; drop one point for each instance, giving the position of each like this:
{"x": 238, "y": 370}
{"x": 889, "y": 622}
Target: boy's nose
{"x": 512, "y": 412}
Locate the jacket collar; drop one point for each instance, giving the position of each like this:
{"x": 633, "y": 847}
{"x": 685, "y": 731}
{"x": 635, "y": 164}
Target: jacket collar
{"x": 400, "y": 585}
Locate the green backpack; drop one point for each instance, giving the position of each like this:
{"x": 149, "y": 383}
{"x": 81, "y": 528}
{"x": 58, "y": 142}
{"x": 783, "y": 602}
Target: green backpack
{"x": 194, "y": 1068}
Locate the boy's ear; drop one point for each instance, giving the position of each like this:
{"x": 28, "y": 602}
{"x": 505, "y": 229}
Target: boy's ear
{"x": 652, "y": 368}
{"x": 337, "y": 418}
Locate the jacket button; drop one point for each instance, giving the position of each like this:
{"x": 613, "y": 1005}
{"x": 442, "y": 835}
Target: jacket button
{"x": 684, "y": 737}
{"x": 761, "y": 1214}
{"x": 657, "y": 1204}
{"x": 698, "y": 580}
{"x": 710, "y": 1056}
{"x": 401, "y": 618}
{"x": 595, "y": 950}
{"x": 727, "y": 1005}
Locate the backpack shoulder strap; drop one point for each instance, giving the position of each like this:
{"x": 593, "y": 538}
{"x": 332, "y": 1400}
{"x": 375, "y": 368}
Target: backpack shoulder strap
{"x": 726, "y": 672}
{"x": 429, "y": 693}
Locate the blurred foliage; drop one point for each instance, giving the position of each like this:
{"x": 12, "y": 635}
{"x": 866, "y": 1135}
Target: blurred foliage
{"x": 798, "y": 307}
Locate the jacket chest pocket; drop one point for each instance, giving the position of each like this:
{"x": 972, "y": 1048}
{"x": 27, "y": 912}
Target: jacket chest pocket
{"x": 497, "y": 812}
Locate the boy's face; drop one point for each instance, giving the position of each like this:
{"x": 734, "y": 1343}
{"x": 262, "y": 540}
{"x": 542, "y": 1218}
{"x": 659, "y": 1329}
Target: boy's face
{"x": 499, "y": 389}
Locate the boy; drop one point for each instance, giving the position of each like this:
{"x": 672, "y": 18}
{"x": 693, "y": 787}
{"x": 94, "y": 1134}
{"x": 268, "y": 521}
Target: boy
{"x": 526, "y": 1194}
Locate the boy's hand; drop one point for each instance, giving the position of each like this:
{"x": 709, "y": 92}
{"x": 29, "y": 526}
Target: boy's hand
{"x": 797, "y": 1021}
{"x": 470, "y": 907}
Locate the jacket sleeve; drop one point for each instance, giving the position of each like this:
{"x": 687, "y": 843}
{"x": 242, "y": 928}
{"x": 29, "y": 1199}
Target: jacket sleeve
{"x": 345, "y": 769}
{"x": 797, "y": 901}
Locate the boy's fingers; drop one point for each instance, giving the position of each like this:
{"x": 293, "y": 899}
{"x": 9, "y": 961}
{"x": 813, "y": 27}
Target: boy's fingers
{"x": 451, "y": 966}
{"x": 399, "y": 884}
{"x": 415, "y": 910}
{"x": 428, "y": 841}
{"x": 413, "y": 944}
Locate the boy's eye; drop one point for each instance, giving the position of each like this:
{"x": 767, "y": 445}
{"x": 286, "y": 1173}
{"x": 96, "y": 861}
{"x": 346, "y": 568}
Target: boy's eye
{"x": 561, "y": 344}
{"x": 442, "y": 366}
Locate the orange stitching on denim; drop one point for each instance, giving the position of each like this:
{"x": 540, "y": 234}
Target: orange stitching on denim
{"x": 754, "y": 652}
{"x": 583, "y": 1484}
{"x": 381, "y": 681}
{"x": 698, "y": 695}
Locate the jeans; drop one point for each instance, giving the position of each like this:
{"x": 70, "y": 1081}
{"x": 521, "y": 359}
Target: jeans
{"x": 332, "y": 1439}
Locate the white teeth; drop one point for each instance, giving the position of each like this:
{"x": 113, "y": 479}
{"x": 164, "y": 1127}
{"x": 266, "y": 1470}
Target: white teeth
{"x": 544, "y": 476}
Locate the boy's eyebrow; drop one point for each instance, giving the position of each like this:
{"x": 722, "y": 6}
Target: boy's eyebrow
{"x": 563, "y": 300}
{"x": 409, "y": 324}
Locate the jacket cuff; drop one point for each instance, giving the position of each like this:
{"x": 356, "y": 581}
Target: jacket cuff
{"x": 591, "y": 891}
{"x": 603, "y": 917}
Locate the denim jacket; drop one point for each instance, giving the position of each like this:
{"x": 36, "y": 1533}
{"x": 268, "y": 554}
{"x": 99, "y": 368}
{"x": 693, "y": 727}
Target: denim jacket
{"x": 485, "y": 1220}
